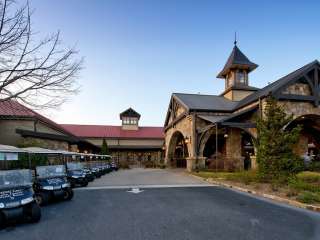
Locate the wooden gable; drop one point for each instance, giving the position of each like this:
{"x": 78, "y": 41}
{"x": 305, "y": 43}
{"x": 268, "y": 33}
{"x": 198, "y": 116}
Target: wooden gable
{"x": 175, "y": 110}
{"x": 303, "y": 87}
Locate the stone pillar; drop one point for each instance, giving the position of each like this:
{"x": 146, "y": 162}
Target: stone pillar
{"x": 201, "y": 162}
{"x": 194, "y": 163}
{"x": 191, "y": 164}
{"x": 302, "y": 146}
{"x": 233, "y": 150}
{"x": 254, "y": 164}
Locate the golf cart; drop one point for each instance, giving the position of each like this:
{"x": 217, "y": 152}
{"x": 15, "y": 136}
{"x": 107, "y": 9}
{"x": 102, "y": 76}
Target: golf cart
{"x": 89, "y": 174}
{"x": 51, "y": 183}
{"x": 95, "y": 170}
{"x": 76, "y": 175}
{"x": 17, "y": 199}
{"x": 106, "y": 167}
{"x": 114, "y": 166}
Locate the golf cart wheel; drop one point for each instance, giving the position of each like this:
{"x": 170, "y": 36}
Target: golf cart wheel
{"x": 2, "y": 220}
{"x": 68, "y": 194}
{"x": 35, "y": 212}
{"x": 42, "y": 198}
{"x": 84, "y": 184}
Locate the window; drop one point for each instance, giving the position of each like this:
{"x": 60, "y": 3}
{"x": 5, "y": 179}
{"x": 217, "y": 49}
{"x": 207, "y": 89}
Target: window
{"x": 129, "y": 121}
{"x": 230, "y": 79}
{"x": 126, "y": 121}
{"x": 241, "y": 77}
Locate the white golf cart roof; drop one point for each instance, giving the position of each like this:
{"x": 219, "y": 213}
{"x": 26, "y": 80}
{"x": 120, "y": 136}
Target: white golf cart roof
{"x": 39, "y": 150}
{"x": 11, "y": 149}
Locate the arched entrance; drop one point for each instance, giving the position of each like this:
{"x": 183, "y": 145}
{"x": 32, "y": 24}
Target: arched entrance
{"x": 178, "y": 151}
{"x": 309, "y": 141}
{"x": 231, "y": 149}
{"x": 214, "y": 159}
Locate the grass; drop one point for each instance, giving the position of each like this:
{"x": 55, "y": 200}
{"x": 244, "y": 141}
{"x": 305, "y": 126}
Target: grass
{"x": 310, "y": 177}
{"x": 245, "y": 177}
{"x": 308, "y": 197}
{"x": 304, "y": 188}
{"x": 307, "y": 184}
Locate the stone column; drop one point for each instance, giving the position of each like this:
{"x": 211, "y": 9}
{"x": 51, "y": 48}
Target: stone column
{"x": 191, "y": 164}
{"x": 233, "y": 150}
{"x": 195, "y": 162}
{"x": 201, "y": 162}
{"x": 302, "y": 146}
{"x": 254, "y": 164}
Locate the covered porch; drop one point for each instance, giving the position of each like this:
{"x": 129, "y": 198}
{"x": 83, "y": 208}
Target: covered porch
{"x": 227, "y": 143}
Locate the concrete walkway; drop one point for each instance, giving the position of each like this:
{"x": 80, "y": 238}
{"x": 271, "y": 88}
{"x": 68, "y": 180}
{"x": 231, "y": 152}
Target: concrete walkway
{"x": 147, "y": 177}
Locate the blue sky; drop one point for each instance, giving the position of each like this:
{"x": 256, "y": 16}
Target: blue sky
{"x": 137, "y": 52}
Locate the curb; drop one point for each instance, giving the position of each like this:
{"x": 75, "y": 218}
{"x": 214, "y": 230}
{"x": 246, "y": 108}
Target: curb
{"x": 268, "y": 196}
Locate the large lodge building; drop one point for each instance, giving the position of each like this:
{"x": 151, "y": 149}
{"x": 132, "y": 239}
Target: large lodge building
{"x": 21, "y": 126}
{"x": 131, "y": 142}
{"x": 214, "y": 131}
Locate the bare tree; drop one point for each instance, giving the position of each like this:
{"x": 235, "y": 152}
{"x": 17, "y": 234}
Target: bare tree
{"x": 40, "y": 74}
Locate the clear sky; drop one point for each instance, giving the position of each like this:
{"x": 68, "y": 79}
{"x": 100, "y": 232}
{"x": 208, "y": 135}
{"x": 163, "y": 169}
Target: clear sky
{"x": 137, "y": 52}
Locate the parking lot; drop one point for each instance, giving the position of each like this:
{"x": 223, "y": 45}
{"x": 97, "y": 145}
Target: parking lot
{"x": 177, "y": 212}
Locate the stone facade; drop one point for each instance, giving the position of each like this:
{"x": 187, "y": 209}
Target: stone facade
{"x": 137, "y": 157}
{"x": 9, "y": 136}
{"x": 46, "y": 143}
{"x": 227, "y": 142}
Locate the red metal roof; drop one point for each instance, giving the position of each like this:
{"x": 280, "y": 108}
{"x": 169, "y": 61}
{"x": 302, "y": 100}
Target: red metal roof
{"x": 12, "y": 108}
{"x": 107, "y": 131}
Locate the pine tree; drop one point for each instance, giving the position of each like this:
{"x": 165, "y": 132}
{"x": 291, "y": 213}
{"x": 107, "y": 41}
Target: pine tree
{"x": 104, "y": 147}
{"x": 275, "y": 157}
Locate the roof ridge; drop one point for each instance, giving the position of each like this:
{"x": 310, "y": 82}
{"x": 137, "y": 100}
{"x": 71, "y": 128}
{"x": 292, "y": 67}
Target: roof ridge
{"x": 257, "y": 93}
{"x": 99, "y": 125}
{"x": 197, "y": 94}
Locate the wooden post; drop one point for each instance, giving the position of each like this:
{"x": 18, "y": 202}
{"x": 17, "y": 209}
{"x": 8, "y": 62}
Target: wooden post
{"x": 216, "y": 146}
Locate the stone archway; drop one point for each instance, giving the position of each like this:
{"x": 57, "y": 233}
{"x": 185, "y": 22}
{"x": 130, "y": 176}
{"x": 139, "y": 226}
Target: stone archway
{"x": 177, "y": 152}
{"x": 235, "y": 148}
{"x": 309, "y": 141}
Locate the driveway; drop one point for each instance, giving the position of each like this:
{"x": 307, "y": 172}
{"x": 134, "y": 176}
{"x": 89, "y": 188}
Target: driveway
{"x": 146, "y": 178}
{"x": 194, "y": 213}
{"x": 170, "y": 205}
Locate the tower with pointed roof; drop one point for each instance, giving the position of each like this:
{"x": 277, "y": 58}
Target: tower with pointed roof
{"x": 236, "y": 74}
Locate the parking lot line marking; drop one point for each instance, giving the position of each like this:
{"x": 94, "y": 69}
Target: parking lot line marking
{"x": 135, "y": 190}
{"x": 145, "y": 186}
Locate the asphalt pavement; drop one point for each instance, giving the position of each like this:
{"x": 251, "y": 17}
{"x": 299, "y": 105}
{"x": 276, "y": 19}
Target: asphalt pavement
{"x": 168, "y": 213}
{"x": 146, "y": 177}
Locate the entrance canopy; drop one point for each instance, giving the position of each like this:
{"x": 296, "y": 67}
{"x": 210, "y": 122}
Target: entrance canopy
{"x": 231, "y": 120}
{"x": 227, "y": 121}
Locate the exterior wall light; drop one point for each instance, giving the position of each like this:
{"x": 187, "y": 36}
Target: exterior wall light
{"x": 225, "y": 135}
{"x": 187, "y": 140}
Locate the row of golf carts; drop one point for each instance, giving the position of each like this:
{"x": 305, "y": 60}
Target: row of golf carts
{"x": 22, "y": 191}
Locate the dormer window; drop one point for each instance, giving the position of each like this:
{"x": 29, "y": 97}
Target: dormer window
{"x": 130, "y": 119}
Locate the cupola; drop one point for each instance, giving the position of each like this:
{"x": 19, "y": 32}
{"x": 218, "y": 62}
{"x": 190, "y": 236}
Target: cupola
{"x": 236, "y": 74}
{"x": 130, "y": 119}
